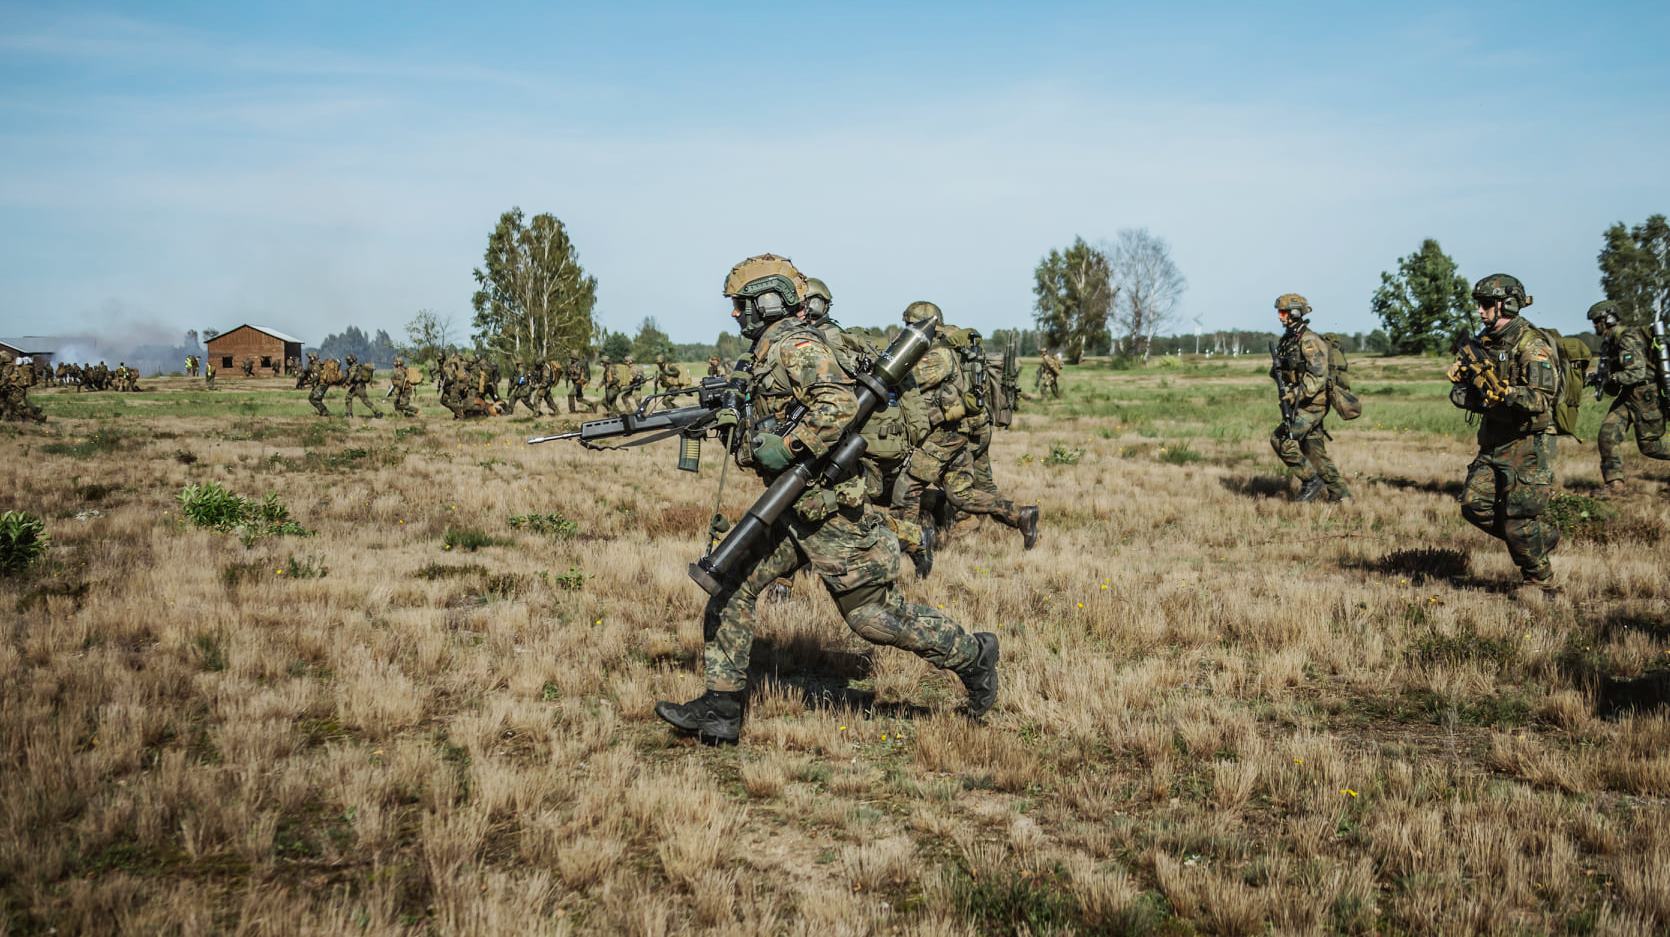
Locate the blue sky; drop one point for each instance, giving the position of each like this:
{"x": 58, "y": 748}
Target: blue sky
{"x": 312, "y": 165}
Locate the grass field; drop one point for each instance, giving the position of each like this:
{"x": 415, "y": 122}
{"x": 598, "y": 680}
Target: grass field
{"x": 429, "y": 709}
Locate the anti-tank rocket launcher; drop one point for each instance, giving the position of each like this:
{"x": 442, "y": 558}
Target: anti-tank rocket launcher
{"x": 1660, "y": 353}
{"x": 723, "y": 566}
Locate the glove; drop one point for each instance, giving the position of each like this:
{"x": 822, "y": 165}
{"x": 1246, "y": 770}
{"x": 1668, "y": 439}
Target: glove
{"x": 771, "y": 452}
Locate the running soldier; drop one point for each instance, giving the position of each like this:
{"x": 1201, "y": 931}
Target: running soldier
{"x": 358, "y": 377}
{"x": 830, "y": 528}
{"x": 1510, "y": 481}
{"x": 400, "y": 387}
{"x": 945, "y": 458}
{"x": 1299, "y": 366}
{"x": 578, "y": 375}
{"x": 1628, "y": 373}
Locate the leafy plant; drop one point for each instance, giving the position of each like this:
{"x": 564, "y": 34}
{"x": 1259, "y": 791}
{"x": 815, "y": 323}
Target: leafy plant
{"x": 1179, "y": 454}
{"x": 468, "y": 539}
{"x": 209, "y": 505}
{"x": 1062, "y": 455}
{"x": 23, "y": 540}
{"x": 551, "y": 525}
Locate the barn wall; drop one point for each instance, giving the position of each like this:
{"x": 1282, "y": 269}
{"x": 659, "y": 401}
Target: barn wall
{"x": 227, "y": 351}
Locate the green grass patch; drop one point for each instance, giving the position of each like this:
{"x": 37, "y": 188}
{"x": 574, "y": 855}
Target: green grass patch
{"x": 437, "y": 571}
{"x": 101, "y": 442}
{"x": 469, "y": 539}
{"x": 1063, "y": 455}
{"x": 1179, "y": 453}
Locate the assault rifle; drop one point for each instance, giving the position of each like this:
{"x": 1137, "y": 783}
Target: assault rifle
{"x": 720, "y": 569}
{"x": 1475, "y": 367}
{"x": 1288, "y": 405}
{"x": 1601, "y": 376}
{"x": 1009, "y": 388}
{"x": 722, "y": 404}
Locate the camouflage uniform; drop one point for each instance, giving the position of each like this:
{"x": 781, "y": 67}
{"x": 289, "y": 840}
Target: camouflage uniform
{"x": 830, "y": 529}
{"x": 357, "y": 377}
{"x": 546, "y": 376}
{"x": 716, "y": 367}
{"x": 1511, "y": 480}
{"x": 14, "y": 391}
{"x": 521, "y": 390}
{"x": 317, "y": 388}
{"x": 400, "y": 382}
{"x": 1048, "y": 380}
{"x": 668, "y": 376}
{"x": 248, "y": 366}
{"x": 611, "y": 387}
{"x": 209, "y": 375}
{"x": 631, "y": 380}
{"x": 1301, "y": 442}
{"x": 945, "y": 458}
{"x": 578, "y": 375}
{"x": 1630, "y": 375}
{"x": 463, "y": 395}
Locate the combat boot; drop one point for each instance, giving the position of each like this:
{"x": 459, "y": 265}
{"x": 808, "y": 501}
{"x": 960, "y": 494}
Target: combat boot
{"x": 1312, "y": 489}
{"x": 923, "y": 558}
{"x": 980, "y": 677}
{"x": 1616, "y": 489}
{"x": 715, "y": 717}
{"x": 1029, "y": 526}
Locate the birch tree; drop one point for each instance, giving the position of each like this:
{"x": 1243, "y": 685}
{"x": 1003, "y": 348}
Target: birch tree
{"x": 1147, "y": 286}
{"x": 534, "y": 301}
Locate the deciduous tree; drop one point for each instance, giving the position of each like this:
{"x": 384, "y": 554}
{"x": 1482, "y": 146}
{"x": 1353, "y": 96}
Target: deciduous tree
{"x": 1635, "y": 269}
{"x": 1146, "y": 285}
{"x": 1426, "y": 305}
{"x": 1072, "y": 295}
{"x": 534, "y": 301}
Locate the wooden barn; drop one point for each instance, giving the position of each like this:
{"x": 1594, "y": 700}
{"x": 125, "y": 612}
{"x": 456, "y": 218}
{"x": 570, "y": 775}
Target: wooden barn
{"x": 269, "y": 348}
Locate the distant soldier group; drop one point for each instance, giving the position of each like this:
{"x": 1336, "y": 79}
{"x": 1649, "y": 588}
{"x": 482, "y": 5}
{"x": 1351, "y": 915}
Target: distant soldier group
{"x": 88, "y": 377}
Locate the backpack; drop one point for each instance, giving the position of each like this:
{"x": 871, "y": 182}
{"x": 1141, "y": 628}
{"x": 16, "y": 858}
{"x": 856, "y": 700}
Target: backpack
{"x": 1571, "y": 363}
{"x": 330, "y": 372}
{"x": 367, "y": 372}
{"x": 1340, "y": 398}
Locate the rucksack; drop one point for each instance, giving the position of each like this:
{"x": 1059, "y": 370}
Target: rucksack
{"x": 1340, "y": 397}
{"x": 1571, "y": 363}
{"x": 330, "y": 372}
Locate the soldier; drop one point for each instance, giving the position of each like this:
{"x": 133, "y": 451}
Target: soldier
{"x": 945, "y": 457}
{"x": 1629, "y": 376}
{"x": 1509, "y": 482}
{"x": 357, "y": 376}
{"x": 668, "y": 376}
{"x": 248, "y": 366}
{"x": 1048, "y": 378}
{"x": 521, "y": 390}
{"x": 830, "y": 528}
{"x": 716, "y": 367}
{"x": 400, "y": 387}
{"x": 1300, "y": 368}
{"x": 578, "y": 375}
{"x": 208, "y": 375}
{"x": 632, "y": 380}
{"x": 15, "y": 379}
{"x": 191, "y": 365}
{"x": 546, "y": 376}
{"x": 317, "y": 383}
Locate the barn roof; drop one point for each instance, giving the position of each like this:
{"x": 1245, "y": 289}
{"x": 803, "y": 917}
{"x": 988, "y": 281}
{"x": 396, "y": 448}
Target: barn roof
{"x": 21, "y": 346}
{"x": 261, "y": 328}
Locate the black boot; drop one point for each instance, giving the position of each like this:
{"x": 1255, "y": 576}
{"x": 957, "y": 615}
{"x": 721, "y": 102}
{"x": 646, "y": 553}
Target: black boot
{"x": 713, "y": 717}
{"x": 980, "y": 677}
{"x": 923, "y": 558}
{"x": 1312, "y": 489}
{"x": 1029, "y": 525}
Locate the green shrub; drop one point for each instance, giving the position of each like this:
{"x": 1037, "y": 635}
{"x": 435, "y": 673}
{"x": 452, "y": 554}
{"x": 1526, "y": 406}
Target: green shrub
{"x": 23, "y": 540}
{"x": 1062, "y": 455}
{"x": 551, "y": 525}
{"x": 209, "y": 505}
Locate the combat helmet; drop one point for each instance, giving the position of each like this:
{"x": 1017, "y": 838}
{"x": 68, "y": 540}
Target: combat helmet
{"x": 1293, "y": 302}
{"x": 921, "y": 310}
{"x": 1603, "y": 314}
{"x": 818, "y": 299}
{"x": 350, "y": 359}
{"x": 764, "y": 288}
{"x": 1500, "y": 287}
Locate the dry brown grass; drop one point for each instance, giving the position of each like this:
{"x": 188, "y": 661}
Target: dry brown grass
{"x": 1223, "y": 713}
